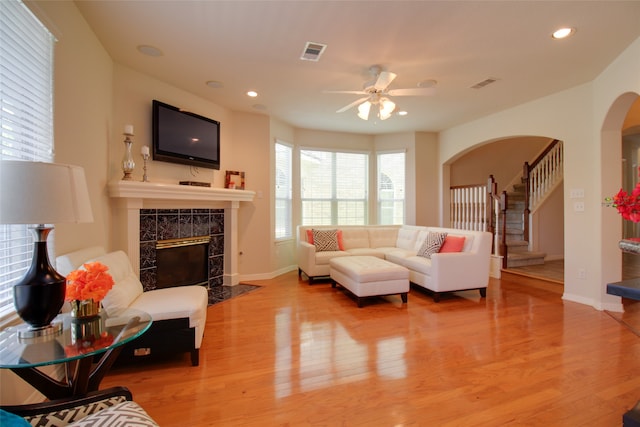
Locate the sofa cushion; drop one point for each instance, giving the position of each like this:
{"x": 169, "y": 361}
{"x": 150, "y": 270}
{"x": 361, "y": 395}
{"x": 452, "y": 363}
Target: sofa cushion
{"x": 407, "y": 238}
{"x": 325, "y": 240}
{"x": 422, "y": 236}
{"x": 384, "y": 237}
{"x": 452, "y": 244}
{"x": 418, "y": 264}
{"x": 366, "y": 252}
{"x": 127, "y": 286}
{"x": 432, "y": 244}
{"x": 356, "y": 237}
{"x": 323, "y": 258}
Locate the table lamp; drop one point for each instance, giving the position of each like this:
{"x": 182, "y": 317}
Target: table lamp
{"x": 41, "y": 193}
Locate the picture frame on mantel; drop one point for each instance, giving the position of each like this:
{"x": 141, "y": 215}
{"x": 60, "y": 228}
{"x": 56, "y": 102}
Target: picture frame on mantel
{"x": 234, "y": 180}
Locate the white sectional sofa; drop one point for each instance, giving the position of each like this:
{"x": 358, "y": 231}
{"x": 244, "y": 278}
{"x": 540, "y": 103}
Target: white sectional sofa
{"x": 442, "y": 272}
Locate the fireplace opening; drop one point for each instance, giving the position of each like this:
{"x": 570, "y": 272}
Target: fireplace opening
{"x": 182, "y": 262}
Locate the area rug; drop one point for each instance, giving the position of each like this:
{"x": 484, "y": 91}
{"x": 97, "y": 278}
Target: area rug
{"x": 222, "y": 293}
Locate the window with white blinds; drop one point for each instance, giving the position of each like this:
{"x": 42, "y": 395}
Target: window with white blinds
{"x": 283, "y": 191}
{"x": 333, "y": 188}
{"x": 26, "y": 123}
{"x": 391, "y": 188}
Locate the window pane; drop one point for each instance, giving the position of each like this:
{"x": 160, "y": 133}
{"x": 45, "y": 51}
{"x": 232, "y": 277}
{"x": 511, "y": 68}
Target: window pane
{"x": 283, "y": 220}
{"x": 334, "y": 187}
{"x": 26, "y": 123}
{"x": 391, "y": 188}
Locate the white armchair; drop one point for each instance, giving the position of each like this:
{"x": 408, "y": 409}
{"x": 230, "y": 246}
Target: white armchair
{"x": 179, "y": 314}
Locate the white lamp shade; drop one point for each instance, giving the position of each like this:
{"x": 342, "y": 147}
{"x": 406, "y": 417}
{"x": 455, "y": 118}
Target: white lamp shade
{"x": 363, "y": 110}
{"x": 386, "y": 108}
{"x": 43, "y": 193}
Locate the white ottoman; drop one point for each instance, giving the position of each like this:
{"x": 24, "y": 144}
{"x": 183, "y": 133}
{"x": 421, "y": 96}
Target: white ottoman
{"x": 366, "y": 276}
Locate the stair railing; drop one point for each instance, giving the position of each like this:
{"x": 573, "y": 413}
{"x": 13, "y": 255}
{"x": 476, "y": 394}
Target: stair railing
{"x": 468, "y": 208}
{"x": 540, "y": 177}
{"x": 479, "y": 207}
{"x": 498, "y": 218}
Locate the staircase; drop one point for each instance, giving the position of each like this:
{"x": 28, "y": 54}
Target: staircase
{"x": 518, "y": 253}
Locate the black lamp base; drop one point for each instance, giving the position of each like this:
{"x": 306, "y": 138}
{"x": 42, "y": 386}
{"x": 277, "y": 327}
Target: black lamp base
{"x": 39, "y": 296}
{"x": 28, "y": 333}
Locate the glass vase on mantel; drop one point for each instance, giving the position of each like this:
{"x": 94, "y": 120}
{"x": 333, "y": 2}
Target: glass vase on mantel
{"x": 85, "y": 309}
{"x": 630, "y": 245}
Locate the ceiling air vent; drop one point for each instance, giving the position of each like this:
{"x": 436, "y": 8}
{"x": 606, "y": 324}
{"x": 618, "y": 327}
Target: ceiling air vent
{"x": 312, "y": 51}
{"x": 484, "y": 83}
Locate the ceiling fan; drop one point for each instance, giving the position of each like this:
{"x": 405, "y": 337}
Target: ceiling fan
{"x": 377, "y": 93}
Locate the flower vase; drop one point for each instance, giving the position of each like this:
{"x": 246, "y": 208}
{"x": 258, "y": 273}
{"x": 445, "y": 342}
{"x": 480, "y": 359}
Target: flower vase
{"x": 630, "y": 245}
{"x": 85, "y": 309}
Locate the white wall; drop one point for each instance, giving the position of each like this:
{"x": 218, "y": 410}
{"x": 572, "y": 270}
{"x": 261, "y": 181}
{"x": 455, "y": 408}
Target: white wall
{"x": 82, "y": 114}
{"x": 576, "y": 117}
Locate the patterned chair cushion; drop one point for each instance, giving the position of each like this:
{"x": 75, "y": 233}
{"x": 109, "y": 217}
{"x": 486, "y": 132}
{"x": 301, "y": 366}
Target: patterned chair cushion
{"x": 123, "y": 414}
{"x": 65, "y": 417}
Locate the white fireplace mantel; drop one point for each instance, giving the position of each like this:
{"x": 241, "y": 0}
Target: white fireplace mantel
{"x": 132, "y": 196}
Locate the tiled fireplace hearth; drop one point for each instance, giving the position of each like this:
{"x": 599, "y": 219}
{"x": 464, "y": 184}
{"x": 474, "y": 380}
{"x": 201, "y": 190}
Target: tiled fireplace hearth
{"x": 146, "y": 212}
{"x": 157, "y": 225}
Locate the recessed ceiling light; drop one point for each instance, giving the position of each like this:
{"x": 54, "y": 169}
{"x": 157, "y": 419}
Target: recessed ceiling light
{"x": 149, "y": 50}
{"x": 214, "y": 84}
{"x": 402, "y": 113}
{"x": 562, "y": 33}
{"x": 252, "y": 93}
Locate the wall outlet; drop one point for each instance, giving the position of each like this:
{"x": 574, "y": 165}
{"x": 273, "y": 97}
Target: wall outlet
{"x": 578, "y": 206}
{"x": 582, "y": 273}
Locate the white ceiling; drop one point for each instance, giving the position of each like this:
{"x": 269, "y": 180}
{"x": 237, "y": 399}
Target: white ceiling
{"x": 257, "y": 45}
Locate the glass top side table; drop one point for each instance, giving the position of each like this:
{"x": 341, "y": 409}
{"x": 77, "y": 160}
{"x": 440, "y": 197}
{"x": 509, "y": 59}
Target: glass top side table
{"x": 77, "y": 346}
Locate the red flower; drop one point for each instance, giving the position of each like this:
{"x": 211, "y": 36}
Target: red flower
{"x": 628, "y": 205}
{"x": 93, "y": 282}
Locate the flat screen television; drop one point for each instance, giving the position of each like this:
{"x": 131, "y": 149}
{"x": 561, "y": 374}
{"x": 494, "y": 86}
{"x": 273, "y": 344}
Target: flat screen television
{"x": 184, "y": 137}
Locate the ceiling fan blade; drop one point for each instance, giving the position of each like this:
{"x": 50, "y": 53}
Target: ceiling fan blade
{"x": 357, "y": 92}
{"x": 353, "y": 104}
{"x": 418, "y": 91}
{"x": 384, "y": 79}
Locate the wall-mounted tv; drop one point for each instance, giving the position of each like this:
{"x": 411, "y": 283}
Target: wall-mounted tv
{"x": 184, "y": 137}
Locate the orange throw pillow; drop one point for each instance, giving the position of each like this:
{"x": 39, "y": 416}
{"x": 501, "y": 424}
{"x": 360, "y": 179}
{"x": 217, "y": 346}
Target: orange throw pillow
{"x": 452, "y": 244}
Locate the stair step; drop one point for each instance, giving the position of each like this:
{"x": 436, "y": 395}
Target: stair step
{"x": 520, "y": 259}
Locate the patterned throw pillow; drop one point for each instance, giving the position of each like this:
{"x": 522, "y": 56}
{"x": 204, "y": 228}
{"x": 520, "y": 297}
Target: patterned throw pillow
{"x": 431, "y": 244}
{"x": 325, "y": 240}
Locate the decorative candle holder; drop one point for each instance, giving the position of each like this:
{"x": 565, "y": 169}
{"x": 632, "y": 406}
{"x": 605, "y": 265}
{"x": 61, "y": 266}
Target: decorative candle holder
{"x": 145, "y": 157}
{"x": 128, "y": 165}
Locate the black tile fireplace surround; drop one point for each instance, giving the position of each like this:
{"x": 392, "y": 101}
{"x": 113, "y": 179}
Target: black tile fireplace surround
{"x": 163, "y": 224}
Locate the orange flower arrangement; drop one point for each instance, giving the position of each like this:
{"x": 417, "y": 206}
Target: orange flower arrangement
{"x": 93, "y": 282}
{"x": 89, "y": 344}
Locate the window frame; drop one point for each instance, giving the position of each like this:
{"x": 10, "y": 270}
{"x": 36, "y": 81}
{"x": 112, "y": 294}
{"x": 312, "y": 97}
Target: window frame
{"x": 288, "y": 198}
{"x": 334, "y": 200}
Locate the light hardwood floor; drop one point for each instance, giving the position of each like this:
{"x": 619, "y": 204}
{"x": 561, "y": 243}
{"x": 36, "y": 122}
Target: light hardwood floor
{"x": 291, "y": 354}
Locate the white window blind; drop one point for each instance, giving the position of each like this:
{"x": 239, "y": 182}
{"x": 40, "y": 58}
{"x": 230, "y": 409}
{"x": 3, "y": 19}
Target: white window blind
{"x": 391, "y": 188}
{"x": 283, "y": 220}
{"x": 26, "y": 123}
{"x": 333, "y": 188}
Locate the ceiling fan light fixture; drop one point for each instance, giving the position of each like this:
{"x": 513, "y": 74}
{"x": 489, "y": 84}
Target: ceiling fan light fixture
{"x": 386, "y": 108}
{"x": 363, "y": 110}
